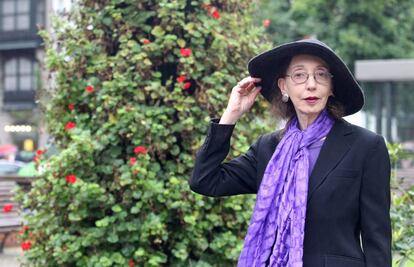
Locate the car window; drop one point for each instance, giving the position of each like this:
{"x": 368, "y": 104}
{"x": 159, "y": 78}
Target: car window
{"x": 8, "y": 169}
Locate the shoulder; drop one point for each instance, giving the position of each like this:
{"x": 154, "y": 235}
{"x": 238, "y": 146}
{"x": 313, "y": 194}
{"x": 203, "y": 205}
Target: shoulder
{"x": 361, "y": 134}
{"x": 269, "y": 139}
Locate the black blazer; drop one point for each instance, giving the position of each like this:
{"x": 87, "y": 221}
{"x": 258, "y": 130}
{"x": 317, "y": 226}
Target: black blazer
{"x": 347, "y": 216}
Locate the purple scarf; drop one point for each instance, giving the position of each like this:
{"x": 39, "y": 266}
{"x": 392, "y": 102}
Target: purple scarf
{"x": 279, "y": 214}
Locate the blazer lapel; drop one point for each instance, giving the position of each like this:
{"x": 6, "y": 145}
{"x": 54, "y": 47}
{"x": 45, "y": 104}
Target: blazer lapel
{"x": 336, "y": 144}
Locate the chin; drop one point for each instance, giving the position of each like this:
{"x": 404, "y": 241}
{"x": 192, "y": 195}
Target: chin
{"x": 311, "y": 111}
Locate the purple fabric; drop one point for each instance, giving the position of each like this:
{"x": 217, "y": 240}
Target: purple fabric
{"x": 279, "y": 214}
{"x": 314, "y": 150}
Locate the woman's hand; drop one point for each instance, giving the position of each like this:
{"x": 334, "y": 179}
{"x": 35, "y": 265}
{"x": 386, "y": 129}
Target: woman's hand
{"x": 241, "y": 100}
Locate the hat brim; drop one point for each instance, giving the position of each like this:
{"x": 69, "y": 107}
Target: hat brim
{"x": 267, "y": 65}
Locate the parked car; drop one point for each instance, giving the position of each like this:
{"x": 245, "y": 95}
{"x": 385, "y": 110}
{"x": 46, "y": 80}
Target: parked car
{"x": 10, "y": 167}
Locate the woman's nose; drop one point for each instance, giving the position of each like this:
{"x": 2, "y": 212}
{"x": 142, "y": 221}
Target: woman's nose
{"x": 311, "y": 82}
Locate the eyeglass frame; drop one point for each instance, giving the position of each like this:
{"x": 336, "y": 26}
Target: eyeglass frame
{"x": 307, "y": 77}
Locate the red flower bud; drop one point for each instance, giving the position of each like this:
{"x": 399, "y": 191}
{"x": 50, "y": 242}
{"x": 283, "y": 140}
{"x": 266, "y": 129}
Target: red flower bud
{"x": 26, "y": 245}
{"x": 71, "y": 106}
{"x": 185, "y": 52}
{"x": 70, "y": 125}
{"x": 8, "y": 207}
{"x": 71, "y": 178}
{"x": 146, "y": 41}
{"x": 140, "y": 150}
{"x": 181, "y": 78}
{"x": 186, "y": 85}
{"x": 40, "y": 152}
{"x": 24, "y": 229}
{"x": 89, "y": 88}
{"x": 266, "y": 23}
{"x": 131, "y": 263}
{"x": 132, "y": 160}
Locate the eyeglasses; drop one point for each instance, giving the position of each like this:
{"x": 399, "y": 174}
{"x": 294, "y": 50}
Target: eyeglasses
{"x": 300, "y": 76}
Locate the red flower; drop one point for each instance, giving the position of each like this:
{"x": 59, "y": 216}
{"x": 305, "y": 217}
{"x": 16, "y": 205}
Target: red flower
{"x": 8, "y": 207}
{"x": 132, "y": 160}
{"x": 181, "y": 78}
{"x": 71, "y": 106}
{"x": 146, "y": 41}
{"x": 131, "y": 263}
{"x": 186, "y": 85}
{"x": 40, "y": 152}
{"x": 24, "y": 229}
{"x": 215, "y": 14}
{"x": 266, "y": 23}
{"x": 89, "y": 88}
{"x": 26, "y": 245}
{"x": 70, "y": 125}
{"x": 185, "y": 52}
{"x": 71, "y": 178}
{"x": 140, "y": 150}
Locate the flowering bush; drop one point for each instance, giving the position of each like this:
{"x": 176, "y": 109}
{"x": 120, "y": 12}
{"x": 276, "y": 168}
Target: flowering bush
{"x": 136, "y": 83}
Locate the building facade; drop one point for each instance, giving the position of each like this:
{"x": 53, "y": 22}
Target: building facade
{"x": 21, "y": 72}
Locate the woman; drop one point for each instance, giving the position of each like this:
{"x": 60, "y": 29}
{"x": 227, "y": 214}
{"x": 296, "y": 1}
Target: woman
{"x": 322, "y": 184}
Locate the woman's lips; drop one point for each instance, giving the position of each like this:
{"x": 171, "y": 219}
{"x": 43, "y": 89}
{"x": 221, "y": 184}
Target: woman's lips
{"x": 311, "y": 100}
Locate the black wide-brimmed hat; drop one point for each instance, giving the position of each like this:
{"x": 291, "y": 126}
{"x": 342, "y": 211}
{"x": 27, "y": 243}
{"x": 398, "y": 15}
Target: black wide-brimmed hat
{"x": 267, "y": 66}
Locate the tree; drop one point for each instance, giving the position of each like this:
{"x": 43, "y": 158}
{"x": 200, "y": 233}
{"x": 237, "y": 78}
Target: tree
{"x": 136, "y": 83}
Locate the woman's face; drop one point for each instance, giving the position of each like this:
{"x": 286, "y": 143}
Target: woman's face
{"x": 309, "y": 96}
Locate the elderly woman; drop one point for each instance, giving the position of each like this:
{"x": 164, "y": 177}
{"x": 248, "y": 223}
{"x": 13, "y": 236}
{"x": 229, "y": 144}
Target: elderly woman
{"x": 322, "y": 184}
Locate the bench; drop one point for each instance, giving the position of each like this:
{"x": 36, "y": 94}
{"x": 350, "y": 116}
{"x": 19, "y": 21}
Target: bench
{"x": 10, "y": 221}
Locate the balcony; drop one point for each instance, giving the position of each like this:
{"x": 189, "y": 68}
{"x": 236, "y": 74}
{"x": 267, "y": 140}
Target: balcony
{"x": 19, "y": 100}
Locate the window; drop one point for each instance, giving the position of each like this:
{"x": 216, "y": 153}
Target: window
{"x": 15, "y": 15}
{"x": 20, "y": 74}
{"x": 41, "y": 12}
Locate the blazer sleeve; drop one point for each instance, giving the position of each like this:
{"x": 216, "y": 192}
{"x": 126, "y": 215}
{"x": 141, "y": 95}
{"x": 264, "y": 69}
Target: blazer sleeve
{"x": 212, "y": 177}
{"x": 375, "y": 207}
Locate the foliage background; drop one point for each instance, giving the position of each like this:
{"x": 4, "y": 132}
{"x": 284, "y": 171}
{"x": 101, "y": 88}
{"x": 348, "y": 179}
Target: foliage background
{"x": 129, "y": 51}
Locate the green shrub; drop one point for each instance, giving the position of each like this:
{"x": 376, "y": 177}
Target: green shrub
{"x": 127, "y": 124}
{"x": 402, "y": 210}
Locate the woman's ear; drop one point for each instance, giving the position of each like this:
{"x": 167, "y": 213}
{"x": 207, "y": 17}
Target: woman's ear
{"x": 281, "y": 83}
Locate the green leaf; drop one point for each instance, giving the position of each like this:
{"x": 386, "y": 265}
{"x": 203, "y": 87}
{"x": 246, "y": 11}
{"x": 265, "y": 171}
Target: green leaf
{"x": 112, "y": 238}
{"x": 181, "y": 42}
{"x": 158, "y": 31}
{"x": 116, "y": 208}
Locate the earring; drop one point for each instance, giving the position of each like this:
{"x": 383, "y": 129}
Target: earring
{"x": 285, "y": 97}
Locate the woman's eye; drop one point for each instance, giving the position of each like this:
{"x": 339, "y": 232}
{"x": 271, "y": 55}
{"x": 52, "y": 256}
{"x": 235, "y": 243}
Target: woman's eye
{"x": 299, "y": 74}
{"x": 320, "y": 73}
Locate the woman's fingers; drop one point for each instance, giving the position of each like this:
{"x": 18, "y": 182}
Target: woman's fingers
{"x": 247, "y": 90}
{"x": 243, "y": 90}
{"x": 247, "y": 81}
{"x": 256, "y": 91}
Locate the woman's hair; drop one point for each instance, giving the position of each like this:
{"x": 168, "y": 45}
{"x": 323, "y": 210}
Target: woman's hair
{"x": 287, "y": 111}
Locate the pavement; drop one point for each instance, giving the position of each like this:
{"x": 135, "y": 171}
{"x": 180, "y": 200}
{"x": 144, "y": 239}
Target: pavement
{"x": 10, "y": 257}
